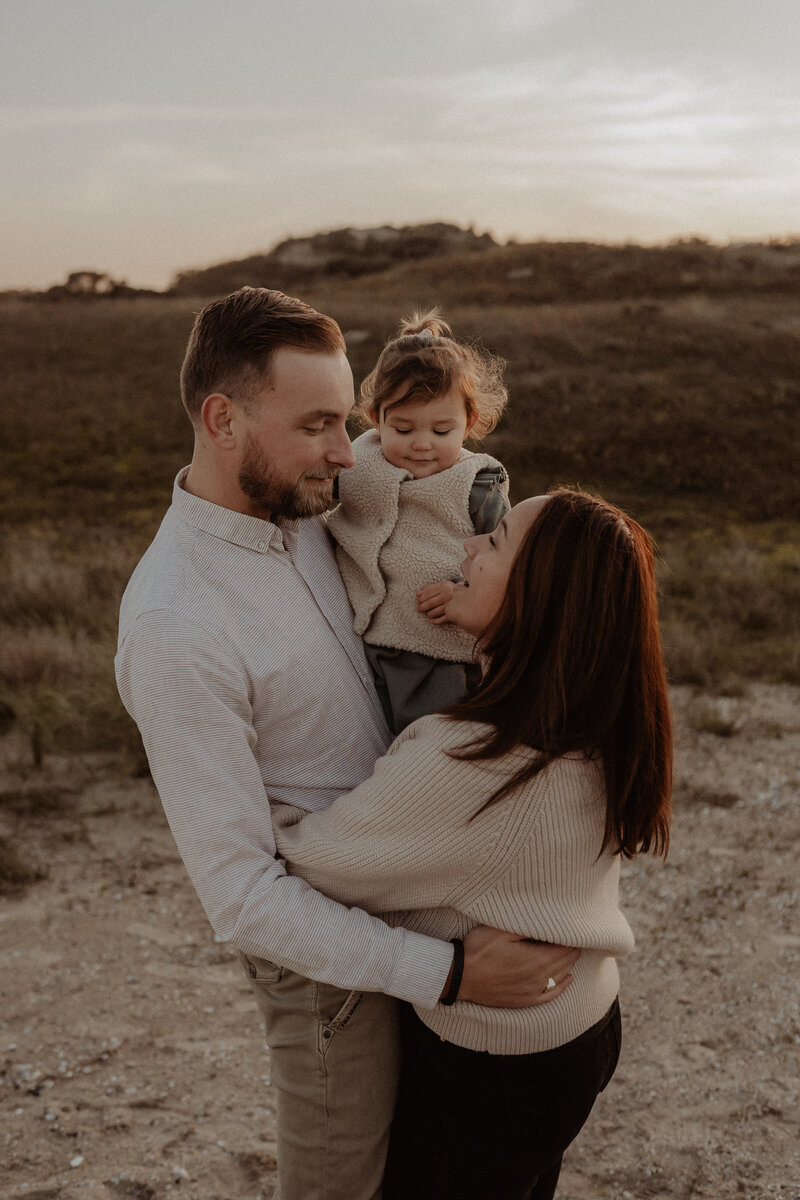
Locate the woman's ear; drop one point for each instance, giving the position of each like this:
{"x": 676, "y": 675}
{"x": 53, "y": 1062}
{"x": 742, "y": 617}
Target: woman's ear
{"x": 217, "y": 420}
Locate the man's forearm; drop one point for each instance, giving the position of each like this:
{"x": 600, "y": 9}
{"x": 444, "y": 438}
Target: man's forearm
{"x": 285, "y": 920}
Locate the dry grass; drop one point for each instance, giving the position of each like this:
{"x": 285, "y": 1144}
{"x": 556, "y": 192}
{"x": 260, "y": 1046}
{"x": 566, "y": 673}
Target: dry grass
{"x": 58, "y": 614}
{"x": 731, "y": 604}
{"x": 64, "y": 578}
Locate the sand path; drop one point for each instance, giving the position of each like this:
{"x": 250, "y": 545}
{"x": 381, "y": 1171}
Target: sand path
{"x": 133, "y": 1063}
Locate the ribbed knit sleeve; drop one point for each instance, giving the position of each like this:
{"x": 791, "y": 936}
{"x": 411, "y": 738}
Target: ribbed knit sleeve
{"x": 405, "y": 838}
{"x": 414, "y": 841}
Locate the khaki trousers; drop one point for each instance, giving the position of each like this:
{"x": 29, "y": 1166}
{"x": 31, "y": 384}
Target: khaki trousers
{"x": 335, "y": 1058}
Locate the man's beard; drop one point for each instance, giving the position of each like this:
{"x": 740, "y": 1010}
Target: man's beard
{"x": 277, "y": 498}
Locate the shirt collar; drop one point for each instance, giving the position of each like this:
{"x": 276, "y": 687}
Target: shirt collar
{"x": 253, "y": 533}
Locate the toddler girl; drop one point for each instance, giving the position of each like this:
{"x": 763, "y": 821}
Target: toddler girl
{"x": 407, "y": 505}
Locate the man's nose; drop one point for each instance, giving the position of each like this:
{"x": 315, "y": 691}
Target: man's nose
{"x": 341, "y": 452}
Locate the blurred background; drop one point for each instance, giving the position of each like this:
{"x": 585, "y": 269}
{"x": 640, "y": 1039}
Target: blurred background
{"x": 606, "y": 193}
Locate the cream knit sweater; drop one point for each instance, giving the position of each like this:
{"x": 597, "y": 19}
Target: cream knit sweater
{"x": 403, "y": 845}
{"x": 395, "y": 534}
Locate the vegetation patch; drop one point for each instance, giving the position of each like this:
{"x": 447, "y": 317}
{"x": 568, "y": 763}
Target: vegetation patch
{"x": 708, "y": 717}
{"x": 15, "y": 873}
{"x": 716, "y": 799}
{"x": 34, "y": 801}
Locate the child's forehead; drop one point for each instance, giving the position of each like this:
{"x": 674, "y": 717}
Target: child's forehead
{"x": 450, "y": 403}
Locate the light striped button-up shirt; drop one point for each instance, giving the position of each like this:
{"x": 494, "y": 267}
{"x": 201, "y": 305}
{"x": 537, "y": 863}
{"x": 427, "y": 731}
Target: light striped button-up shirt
{"x": 238, "y": 662}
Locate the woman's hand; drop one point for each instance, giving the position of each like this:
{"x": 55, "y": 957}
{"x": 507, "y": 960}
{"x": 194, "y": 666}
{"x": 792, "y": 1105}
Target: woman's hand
{"x": 503, "y": 970}
{"x": 431, "y": 600}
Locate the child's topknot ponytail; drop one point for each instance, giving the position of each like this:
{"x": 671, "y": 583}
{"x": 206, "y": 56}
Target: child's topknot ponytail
{"x": 420, "y": 324}
{"x": 423, "y": 361}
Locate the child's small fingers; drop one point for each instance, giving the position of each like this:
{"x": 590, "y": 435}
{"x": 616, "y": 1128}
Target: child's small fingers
{"x": 436, "y": 611}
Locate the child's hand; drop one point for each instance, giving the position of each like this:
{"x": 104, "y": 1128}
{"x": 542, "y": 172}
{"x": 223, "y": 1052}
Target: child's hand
{"x": 432, "y": 598}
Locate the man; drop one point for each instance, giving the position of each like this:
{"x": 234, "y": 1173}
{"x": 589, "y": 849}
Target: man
{"x": 238, "y": 661}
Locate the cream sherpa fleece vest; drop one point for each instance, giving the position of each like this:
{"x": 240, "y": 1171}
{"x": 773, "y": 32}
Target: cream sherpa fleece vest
{"x": 394, "y": 534}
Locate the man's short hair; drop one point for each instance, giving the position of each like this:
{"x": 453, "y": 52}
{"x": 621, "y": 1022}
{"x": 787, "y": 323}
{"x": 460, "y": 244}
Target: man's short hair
{"x": 233, "y": 340}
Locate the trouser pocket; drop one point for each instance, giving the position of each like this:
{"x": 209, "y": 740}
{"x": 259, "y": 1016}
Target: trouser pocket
{"x": 334, "y": 1009}
{"x": 260, "y": 970}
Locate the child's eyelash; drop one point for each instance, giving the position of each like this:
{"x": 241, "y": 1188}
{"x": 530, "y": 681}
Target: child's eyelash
{"x": 438, "y": 432}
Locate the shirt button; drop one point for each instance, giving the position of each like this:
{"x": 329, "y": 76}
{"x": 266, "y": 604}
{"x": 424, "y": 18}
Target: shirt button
{"x": 262, "y": 545}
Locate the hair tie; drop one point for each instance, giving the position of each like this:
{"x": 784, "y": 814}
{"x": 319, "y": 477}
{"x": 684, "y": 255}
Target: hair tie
{"x": 423, "y": 335}
{"x": 458, "y": 972}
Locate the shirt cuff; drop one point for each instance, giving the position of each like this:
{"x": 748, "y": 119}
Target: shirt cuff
{"x": 421, "y": 973}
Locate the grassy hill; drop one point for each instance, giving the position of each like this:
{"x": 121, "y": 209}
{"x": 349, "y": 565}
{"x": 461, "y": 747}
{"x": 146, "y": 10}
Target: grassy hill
{"x": 341, "y": 253}
{"x": 666, "y": 379}
{"x": 448, "y": 265}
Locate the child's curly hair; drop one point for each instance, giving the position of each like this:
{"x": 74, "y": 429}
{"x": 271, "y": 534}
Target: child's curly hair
{"x": 423, "y": 361}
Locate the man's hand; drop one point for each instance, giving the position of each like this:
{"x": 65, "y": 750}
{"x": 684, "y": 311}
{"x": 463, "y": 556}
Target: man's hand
{"x": 432, "y": 598}
{"x": 506, "y": 971}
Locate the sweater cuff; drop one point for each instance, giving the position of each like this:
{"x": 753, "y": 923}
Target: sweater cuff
{"x": 421, "y": 972}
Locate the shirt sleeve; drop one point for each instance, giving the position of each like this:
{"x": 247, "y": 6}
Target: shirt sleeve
{"x": 190, "y": 699}
{"x": 404, "y": 839}
{"x": 488, "y": 499}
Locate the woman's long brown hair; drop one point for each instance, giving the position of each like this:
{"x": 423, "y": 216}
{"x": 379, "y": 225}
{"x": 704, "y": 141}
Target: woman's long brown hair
{"x": 575, "y": 664}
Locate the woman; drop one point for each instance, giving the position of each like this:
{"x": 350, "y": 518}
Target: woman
{"x": 514, "y": 809}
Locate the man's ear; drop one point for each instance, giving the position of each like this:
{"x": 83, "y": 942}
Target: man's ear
{"x": 217, "y": 420}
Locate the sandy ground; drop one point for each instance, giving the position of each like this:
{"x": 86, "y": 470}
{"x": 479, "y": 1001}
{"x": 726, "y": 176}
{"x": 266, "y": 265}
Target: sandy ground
{"x": 132, "y": 1059}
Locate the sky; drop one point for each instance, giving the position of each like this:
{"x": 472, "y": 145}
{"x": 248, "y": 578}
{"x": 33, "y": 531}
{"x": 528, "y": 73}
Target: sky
{"x": 144, "y": 137}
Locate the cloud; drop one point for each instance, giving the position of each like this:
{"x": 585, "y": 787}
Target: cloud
{"x": 519, "y": 16}
{"x": 143, "y": 171}
{"x": 595, "y": 119}
{"x": 14, "y": 118}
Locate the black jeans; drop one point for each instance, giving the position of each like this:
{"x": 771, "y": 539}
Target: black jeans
{"x": 476, "y": 1126}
